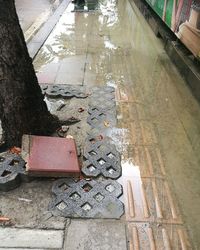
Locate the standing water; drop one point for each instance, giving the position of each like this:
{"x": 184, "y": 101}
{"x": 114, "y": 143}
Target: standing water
{"x": 158, "y": 129}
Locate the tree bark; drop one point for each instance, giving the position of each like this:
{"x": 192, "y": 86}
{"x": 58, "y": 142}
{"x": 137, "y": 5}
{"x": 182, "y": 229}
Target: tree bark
{"x": 22, "y": 108}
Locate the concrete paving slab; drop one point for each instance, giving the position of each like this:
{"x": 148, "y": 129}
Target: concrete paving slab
{"x": 38, "y": 37}
{"x": 28, "y": 200}
{"x": 33, "y": 48}
{"x": 25, "y": 238}
{"x": 21, "y": 248}
{"x": 96, "y": 234}
{"x": 28, "y": 11}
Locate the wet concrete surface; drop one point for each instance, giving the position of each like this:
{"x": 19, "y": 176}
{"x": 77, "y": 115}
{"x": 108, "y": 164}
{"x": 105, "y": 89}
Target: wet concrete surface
{"x": 158, "y": 130}
{"x": 27, "y": 205}
{"x": 29, "y": 11}
{"x": 157, "y": 114}
{"x": 96, "y": 234}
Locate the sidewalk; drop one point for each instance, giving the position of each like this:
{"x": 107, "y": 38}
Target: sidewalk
{"x": 157, "y": 134}
{"x": 29, "y": 11}
{"x": 32, "y": 15}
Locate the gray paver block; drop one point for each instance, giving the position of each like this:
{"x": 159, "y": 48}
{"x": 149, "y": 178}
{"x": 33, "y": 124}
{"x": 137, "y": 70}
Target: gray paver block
{"x": 87, "y": 199}
{"x": 65, "y": 91}
{"x": 102, "y": 160}
{"x": 98, "y": 116}
{"x": 103, "y": 98}
{"x": 12, "y": 171}
{"x": 96, "y": 234}
{"x": 27, "y": 238}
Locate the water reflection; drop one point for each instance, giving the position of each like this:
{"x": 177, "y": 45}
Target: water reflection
{"x": 77, "y": 33}
{"x": 129, "y": 168}
{"x": 85, "y": 5}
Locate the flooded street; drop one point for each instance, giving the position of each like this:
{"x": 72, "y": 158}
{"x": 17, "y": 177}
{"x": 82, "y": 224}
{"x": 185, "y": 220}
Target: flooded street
{"x": 158, "y": 129}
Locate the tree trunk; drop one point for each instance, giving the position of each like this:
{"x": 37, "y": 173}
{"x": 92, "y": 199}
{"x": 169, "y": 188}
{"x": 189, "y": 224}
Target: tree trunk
{"x": 22, "y": 108}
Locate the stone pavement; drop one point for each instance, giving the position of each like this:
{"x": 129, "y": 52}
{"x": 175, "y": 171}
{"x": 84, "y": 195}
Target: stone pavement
{"x": 157, "y": 132}
{"x": 31, "y": 11}
{"x": 78, "y": 234}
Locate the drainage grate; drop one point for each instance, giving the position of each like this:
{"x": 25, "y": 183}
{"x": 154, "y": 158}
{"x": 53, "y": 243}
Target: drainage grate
{"x": 87, "y": 199}
{"x": 12, "y": 172}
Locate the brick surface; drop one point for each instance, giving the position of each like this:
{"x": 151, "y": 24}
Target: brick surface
{"x": 27, "y": 238}
{"x": 51, "y": 156}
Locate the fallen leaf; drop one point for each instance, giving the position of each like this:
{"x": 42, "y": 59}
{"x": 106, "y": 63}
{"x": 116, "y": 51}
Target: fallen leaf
{"x": 15, "y": 150}
{"x": 80, "y": 110}
{"x": 69, "y": 137}
{"x": 81, "y": 177}
{"x": 25, "y": 200}
{"x": 4, "y": 219}
{"x": 92, "y": 140}
{"x": 106, "y": 124}
{"x": 100, "y": 137}
{"x": 65, "y": 128}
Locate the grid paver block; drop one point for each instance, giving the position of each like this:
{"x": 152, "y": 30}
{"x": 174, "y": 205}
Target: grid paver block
{"x": 12, "y": 172}
{"x": 66, "y": 91}
{"x": 87, "y": 199}
{"x": 102, "y": 159}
